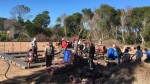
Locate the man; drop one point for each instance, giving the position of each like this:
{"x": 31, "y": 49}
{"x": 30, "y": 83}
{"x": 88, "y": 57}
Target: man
{"x": 147, "y": 52}
{"x": 49, "y": 53}
{"x": 139, "y": 54}
{"x": 91, "y": 56}
{"x": 118, "y": 53}
{"x": 64, "y": 44}
{"x": 34, "y": 47}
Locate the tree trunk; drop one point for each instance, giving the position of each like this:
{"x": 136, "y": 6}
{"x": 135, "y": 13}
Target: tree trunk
{"x": 123, "y": 39}
{"x": 80, "y": 32}
{"x": 142, "y": 38}
{"x": 102, "y": 38}
{"x": 65, "y": 31}
{"x": 116, "y": 32}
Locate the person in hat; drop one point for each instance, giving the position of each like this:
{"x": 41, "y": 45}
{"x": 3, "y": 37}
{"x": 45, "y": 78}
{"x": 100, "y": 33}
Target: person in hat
{"x": 64, "y": 43}
{"x": 34, "y": 47}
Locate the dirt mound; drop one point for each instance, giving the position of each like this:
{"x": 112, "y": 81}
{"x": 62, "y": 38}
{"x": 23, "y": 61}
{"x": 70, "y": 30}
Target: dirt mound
{"x": 129, "y": 73}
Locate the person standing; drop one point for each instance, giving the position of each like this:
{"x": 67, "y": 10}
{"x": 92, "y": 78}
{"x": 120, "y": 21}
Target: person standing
{"x": 34, "y": 47}
{"x": 118, "y": 53}
{"x": 126, "y": 56}
{"x": 91, "y": 56}
{"x": 139, "y": 54}
{"x": 64, "y": 44}
{"x": 49, "y": 53}
{"x": 76, "y": 45}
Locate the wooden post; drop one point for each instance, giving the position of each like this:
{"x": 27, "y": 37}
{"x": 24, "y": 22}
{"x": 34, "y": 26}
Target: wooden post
{"x": 28, "y": 65}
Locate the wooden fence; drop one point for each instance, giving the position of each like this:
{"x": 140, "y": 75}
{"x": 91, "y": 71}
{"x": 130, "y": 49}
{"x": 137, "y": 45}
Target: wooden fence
{"x": 21, "y": 46}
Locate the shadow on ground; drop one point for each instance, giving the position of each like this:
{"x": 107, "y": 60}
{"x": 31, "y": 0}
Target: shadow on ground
{"x": 39, "y": 77}
{"x": 114, "y": 74}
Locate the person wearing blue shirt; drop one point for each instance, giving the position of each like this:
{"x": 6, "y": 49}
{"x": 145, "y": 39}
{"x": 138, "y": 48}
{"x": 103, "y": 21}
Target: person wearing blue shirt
{"x": 147, "y": 52}
{"x": 139, "y": 54}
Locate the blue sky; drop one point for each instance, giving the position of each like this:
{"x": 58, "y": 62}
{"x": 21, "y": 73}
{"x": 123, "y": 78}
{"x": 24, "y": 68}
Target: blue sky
{"x": 58, "y": 7}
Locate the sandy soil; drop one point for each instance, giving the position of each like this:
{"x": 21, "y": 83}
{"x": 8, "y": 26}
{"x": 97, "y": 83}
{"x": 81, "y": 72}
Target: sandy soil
{"x": 15, "y": 71}
{"x": 140, "y": 73}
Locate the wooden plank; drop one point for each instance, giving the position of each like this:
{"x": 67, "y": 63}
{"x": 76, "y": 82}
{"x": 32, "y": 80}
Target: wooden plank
{"x": 22, "y": 55}
{"x": 22, "y": 52}
{"x": 21, "y": 63}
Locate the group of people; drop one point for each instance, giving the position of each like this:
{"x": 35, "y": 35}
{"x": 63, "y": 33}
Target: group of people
{"x": 87, "y": 48}
{"x": 32, "y": 55}
{"x": 125, "y": 56}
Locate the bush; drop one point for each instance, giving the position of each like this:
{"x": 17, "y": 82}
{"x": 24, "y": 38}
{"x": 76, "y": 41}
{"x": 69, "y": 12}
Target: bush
{"x": 41, "y": 37}
{"x": 3, "y": 37}
{"x": 147, "y": 44}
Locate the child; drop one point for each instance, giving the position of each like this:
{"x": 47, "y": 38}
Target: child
{"x": 30, "y": 56}
{"x": 126, "y": 56}
{"x": 139, "y": 54}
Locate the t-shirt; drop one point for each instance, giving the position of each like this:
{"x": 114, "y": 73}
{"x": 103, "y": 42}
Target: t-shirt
{"x": 139, "y": 54}
{"x": 30, "y": 54}
{"x": 100, "y": 47}
{"x": 147, "y": 54}
{"x": 126, "y": 57}
{"x": 64, "y": 44}
{"x": 49, "y": 50}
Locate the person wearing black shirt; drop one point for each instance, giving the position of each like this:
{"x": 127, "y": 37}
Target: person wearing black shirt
{"x": 91, "y": 56}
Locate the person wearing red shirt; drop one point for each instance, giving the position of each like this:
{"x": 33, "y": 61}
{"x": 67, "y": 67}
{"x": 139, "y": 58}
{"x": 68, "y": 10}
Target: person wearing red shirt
{"x": 64, "y": 44}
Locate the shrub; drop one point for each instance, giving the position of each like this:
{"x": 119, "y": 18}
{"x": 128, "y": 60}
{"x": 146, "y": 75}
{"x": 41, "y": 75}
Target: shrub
{"x": 147, "y": 44}
{"x": 41, "y": 37}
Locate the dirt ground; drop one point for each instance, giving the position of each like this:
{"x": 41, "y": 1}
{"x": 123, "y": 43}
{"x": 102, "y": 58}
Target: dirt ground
{"x": 135, "y": 73}
{"x": 14, "y": 70}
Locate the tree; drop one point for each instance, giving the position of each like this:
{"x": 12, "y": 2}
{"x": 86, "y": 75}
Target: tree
{"x": 123, "y": 23}
{"x": 72, "y": 24}
{"x": 63, "y": 16}
{"x": 2, "y": 20}
{"x": 19, "y": 11}
{"x": 140, "y": 17}
{"x": 58, "y": 20}
{"x": 87, "y": 14}
{"x": 85, "y": 22}
{"x": 42, "y": 20}
{"x": 102, "y": 21}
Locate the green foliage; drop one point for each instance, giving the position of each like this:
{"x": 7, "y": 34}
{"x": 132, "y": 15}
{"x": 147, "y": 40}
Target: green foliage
{"x": 130, "y": 39}
{"x": 105, "y": 20}
{"x": 72, "y": 24}
{"x": 147, "y": 44}
{"x": 87, "y": 13}
{"x": 2, "y": 20}
{"x": 30, "y": 28}
{"x": 4, "y": 37}
{"x": 146, "y": 32}
{"x": 42, "y": 20}
{"x": 47, "y": 32}
{"x": 57, "y": 29}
